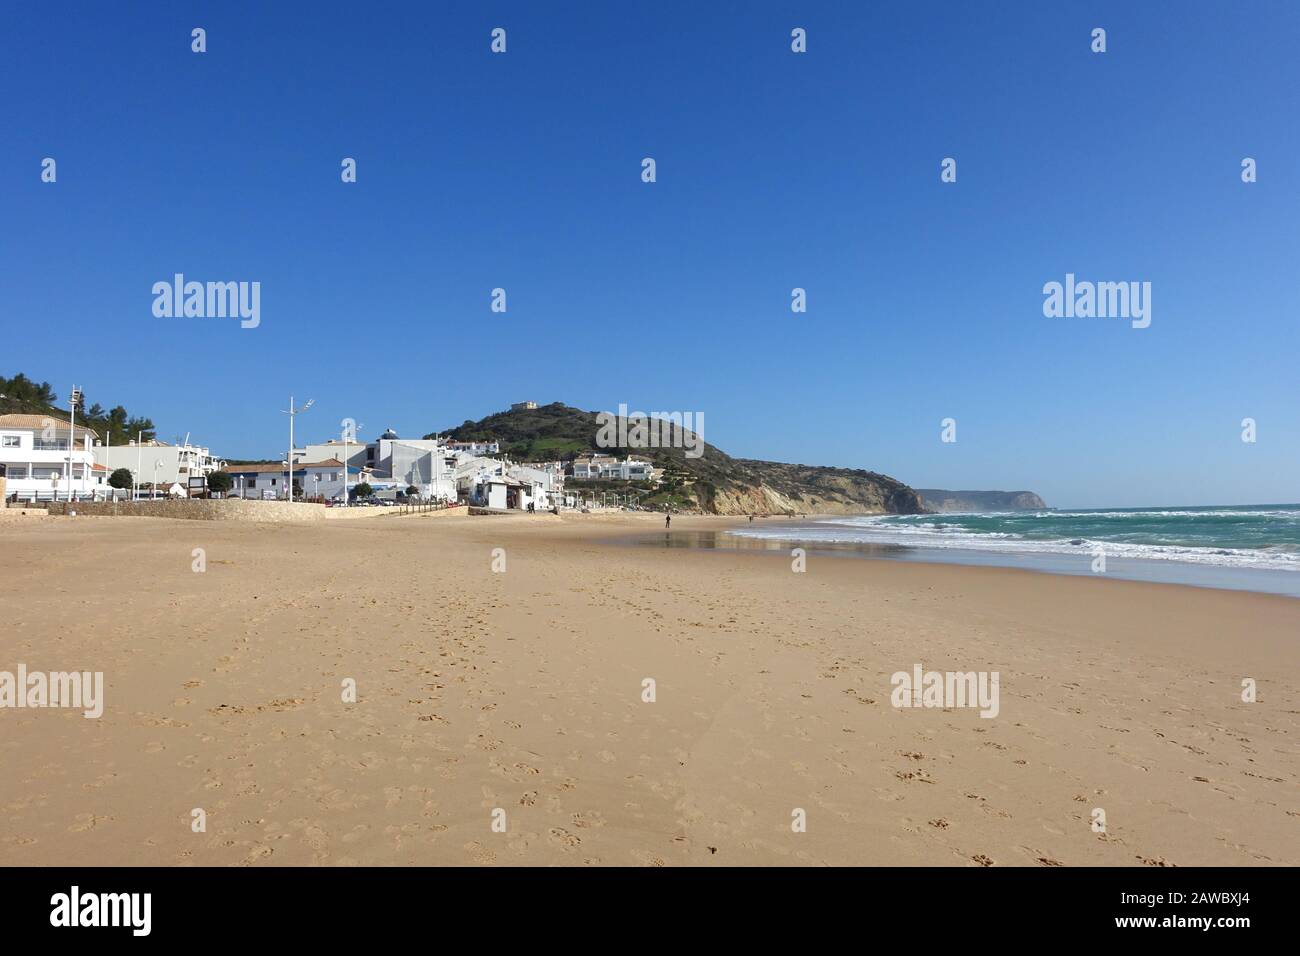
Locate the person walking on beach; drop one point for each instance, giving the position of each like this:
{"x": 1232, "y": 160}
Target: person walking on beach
{"x": 668, "y": 521}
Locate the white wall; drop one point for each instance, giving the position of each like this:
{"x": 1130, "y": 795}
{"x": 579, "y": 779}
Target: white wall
{"x": 28, "y": 467}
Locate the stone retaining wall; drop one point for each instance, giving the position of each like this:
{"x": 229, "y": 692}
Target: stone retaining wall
{"x": 199, "y": 509}
{"x": 231, "y": 509}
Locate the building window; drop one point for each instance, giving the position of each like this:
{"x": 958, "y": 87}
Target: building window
{"x": 10, "y": 441}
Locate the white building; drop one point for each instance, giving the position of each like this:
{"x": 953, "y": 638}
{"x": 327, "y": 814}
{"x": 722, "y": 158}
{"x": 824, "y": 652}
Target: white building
{"x": 324, "y": 479}
{"x": 35, "y": 453}
{"x": 170, "y": 464}
{"x": 430, "y": 465}
{"x": 490, "y": 483}
{"x": 268, "y": 479}
{"x": 376, "y": 455}
{"x": 437, "y": 468}
{"x": 352, "y": 452}
{"x": 425, "y": 465}
{"x": 546, "y": 483}
{"x": 475, "y": 447}
{"x": 609, "y": 468}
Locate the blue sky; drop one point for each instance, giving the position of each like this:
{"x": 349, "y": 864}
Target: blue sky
{"x": 775, "y": 170}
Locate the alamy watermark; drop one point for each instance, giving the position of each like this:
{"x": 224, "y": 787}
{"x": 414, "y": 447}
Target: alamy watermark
{"x": 1102, "y": 300}
{"x": 655, "y": 430}
{"x": 946, "y": 689}
{"x": 78, "y": 690}
{"x": 130, "y": 910}
{"x": 209, "y": 300}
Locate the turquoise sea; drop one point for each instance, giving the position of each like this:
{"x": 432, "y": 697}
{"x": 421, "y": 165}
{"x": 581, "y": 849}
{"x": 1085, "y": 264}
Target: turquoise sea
{"x": 1256, "y": 547}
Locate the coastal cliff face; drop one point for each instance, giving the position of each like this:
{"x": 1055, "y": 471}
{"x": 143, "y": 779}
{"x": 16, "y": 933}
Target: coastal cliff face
{"x": 779, "y": 488}
{"x": 710, "y": 483}
{"x": 943, "y": 502}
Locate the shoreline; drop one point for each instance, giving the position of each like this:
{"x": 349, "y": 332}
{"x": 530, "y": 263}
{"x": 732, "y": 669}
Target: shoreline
{"x": 522, "y": 691}
{"x": 1152, "y": 570}
{"x": 710, "y": 533}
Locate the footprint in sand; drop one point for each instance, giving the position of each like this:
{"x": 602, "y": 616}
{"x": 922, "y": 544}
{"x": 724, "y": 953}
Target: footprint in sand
{"x": 258, "y": 853}
{"x": 87, "y": 821}
{"x": 563, "y": 838}
{"x": 919, "y": 776}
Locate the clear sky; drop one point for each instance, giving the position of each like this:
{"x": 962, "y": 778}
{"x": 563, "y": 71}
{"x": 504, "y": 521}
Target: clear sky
{"x": 774, "y": 170}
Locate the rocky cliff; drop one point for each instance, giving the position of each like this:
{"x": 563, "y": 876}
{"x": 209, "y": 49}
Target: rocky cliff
{"x": 936, "y": 499}
{"x": 811, "y": 489}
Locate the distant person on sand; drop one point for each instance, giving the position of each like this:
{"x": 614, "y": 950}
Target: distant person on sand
{"x": 668, "y": 521}
{"x": 751, "y": 519}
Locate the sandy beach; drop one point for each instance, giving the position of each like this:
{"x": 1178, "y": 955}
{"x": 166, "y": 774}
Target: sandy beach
{"x": 522, "y": 691}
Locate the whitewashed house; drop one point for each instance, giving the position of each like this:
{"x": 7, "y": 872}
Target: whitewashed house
{"x": 490, "y": 483}
{"x": 268, "y": 479}
{"x": 35, "y": 453}
{"x": 609, "y": 468}
{"x": 475, "y": 447}
{"x": 325, "y": 479}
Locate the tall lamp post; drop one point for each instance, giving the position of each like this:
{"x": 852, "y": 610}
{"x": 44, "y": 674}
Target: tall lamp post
{"x": 74, "y": 401}
{"x": 139, "y": 466}
{"x": 291, "y": 412}
{"x": 350, "y": 431}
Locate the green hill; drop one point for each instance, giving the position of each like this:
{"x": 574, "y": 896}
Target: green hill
{"x": 713, "y": 483}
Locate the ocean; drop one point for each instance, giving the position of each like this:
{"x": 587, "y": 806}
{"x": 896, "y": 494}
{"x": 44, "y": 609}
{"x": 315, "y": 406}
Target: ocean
{"x": 1255, "y": 547}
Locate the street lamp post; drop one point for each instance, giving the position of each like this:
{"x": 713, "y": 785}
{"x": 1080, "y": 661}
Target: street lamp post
{"x": 350, "y": 430}
{"x": 291, "y": 412}
{"x": 139, "y": 465}
{"x": 73, "y": 401}
{"x": 153, "y": 492}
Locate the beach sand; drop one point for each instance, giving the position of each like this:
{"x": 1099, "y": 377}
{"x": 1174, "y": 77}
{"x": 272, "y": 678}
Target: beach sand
{"x": 522, "y": 691}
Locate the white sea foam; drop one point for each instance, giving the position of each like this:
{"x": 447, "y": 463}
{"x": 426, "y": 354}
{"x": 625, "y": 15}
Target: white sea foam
{"x": 886, "y": 530}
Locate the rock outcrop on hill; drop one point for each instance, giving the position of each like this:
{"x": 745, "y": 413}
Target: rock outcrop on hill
{"x": 938, "y": 500}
